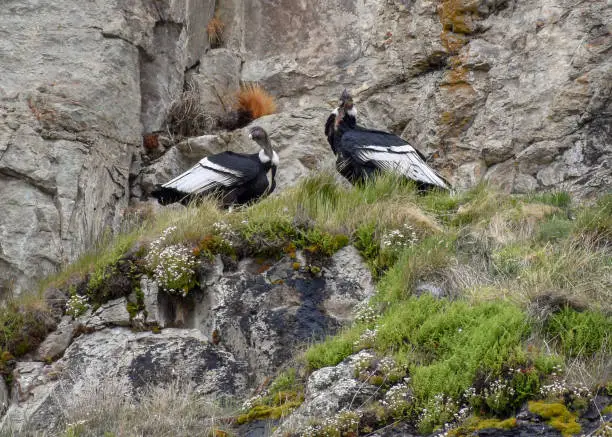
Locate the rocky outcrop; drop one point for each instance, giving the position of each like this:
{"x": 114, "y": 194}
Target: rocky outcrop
{"x": 515, "y": 93}
{"x": 125, "y": 359}
{"x": 245, "y": 322}
{"x": 78, "y": 84}
{"x": 262, "y": 311}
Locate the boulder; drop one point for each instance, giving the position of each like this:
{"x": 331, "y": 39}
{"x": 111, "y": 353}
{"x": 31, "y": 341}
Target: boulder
{"x": 124, "y": 359}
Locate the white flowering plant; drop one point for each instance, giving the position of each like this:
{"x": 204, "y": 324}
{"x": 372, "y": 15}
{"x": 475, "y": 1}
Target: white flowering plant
{"x": 77, "y": 305}
{"x": 367, "y": 339}
{"x": 397, "y": 239}
{"x": 343, "y": 423}
{"x": 440, "y": 409}
{"x": 365, "y": 313}
{"x": 173, "y": 266}
{"x": 559, "y": 387}
{"x": 398, "y": 399}
{"x": 223, "y": 239}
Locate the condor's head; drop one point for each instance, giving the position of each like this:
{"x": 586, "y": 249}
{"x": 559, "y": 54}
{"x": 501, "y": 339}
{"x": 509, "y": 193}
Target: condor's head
{"x": 345, "y": 111}
{"x": 266, "y": 154}
{"x": 344, "y": 116}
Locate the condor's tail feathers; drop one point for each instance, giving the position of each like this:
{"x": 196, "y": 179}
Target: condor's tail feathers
{"x": 167, "y": 196}
{"x": 403, "y": 160}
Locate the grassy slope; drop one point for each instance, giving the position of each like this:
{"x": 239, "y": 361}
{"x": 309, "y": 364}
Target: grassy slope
{"x": 528, "y": 282}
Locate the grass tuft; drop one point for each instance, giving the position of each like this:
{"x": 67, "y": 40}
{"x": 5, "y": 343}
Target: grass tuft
{"x": 214, "y": 29}
{"x": 256, "y": 101}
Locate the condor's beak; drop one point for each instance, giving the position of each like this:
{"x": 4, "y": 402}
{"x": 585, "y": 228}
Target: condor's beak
{"x": 250, "y": 136}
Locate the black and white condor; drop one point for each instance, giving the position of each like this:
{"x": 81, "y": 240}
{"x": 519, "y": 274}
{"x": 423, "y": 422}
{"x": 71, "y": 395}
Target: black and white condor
{"x": 361, "y": 153}
{"x": 238, "y": 178}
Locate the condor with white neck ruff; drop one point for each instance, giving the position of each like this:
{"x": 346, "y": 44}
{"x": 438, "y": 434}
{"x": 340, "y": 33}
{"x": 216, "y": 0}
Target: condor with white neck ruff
{"x": 361, "y": 153}
{"x": 238, "y": 178}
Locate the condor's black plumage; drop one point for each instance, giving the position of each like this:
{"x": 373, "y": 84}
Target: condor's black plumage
{"x": 361, "y": 153}
{"x": 238, "y": 178}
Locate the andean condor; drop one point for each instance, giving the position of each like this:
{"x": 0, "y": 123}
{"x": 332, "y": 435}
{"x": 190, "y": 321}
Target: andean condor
{"x": 361, "y": 153}
{"x": 238, "y": 178}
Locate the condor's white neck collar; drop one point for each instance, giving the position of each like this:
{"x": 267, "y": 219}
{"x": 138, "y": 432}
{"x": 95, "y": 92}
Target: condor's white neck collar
{"x": 264, "y": 158}
{"x": 352, "y": 112}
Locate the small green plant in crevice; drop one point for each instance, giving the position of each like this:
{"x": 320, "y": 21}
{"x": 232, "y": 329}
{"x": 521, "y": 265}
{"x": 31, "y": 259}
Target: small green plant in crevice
{"x": 138, "y": 304}
{"x": 23, "y": 327}
{"x": 557, "y": 415}
{"x": 284, "y": 395}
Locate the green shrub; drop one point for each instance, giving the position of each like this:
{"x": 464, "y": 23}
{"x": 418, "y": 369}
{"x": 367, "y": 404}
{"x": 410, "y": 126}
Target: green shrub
{"x": 580, "y": 333}
{"x": 333, "y": 350}
{"x": 448, "y": 342}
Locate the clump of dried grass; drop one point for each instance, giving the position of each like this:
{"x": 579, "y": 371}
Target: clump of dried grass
{"x": 215, "y": 29}
{"x": 255, "y": 100}
{"x": 187, "y": 116}
{"x": 102, "y": 408}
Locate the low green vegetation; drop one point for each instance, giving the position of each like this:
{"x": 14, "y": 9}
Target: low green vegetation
{"x": 484, "y": 300}
{"x": 558, "y": 416}
{"x": 284, "y": 395}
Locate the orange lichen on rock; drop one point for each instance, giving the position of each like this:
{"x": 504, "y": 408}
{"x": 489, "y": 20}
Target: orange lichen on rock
{"x": 452, "y": 42}
{"x": 458, "y": 16}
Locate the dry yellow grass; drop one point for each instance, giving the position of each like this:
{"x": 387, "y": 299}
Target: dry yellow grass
{"x": 215, "y": 31}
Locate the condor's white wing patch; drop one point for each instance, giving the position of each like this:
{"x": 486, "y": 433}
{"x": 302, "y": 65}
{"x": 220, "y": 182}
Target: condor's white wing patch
{"x": 204, "y": 176}
{"x": 402, "y": 159}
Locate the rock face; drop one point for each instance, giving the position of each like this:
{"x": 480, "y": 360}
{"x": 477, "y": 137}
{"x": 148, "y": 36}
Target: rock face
{"x": 517, "y": 93}
{"x": 78, "y": 86}
{"x": 261, "y": 312}
{"x": 247, "y": 320}
{"x": 125, "y": 359}
{"x": 514, "y": 93}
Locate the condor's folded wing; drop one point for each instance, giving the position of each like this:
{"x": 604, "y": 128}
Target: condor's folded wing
{"x": 388, "y": 152}
{"x": 224, "y": 170}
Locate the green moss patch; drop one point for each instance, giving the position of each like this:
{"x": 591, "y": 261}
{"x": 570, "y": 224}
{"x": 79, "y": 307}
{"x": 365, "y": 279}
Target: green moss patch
{"x": 557, "y": 416}
{"x": 284, "y": 395}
